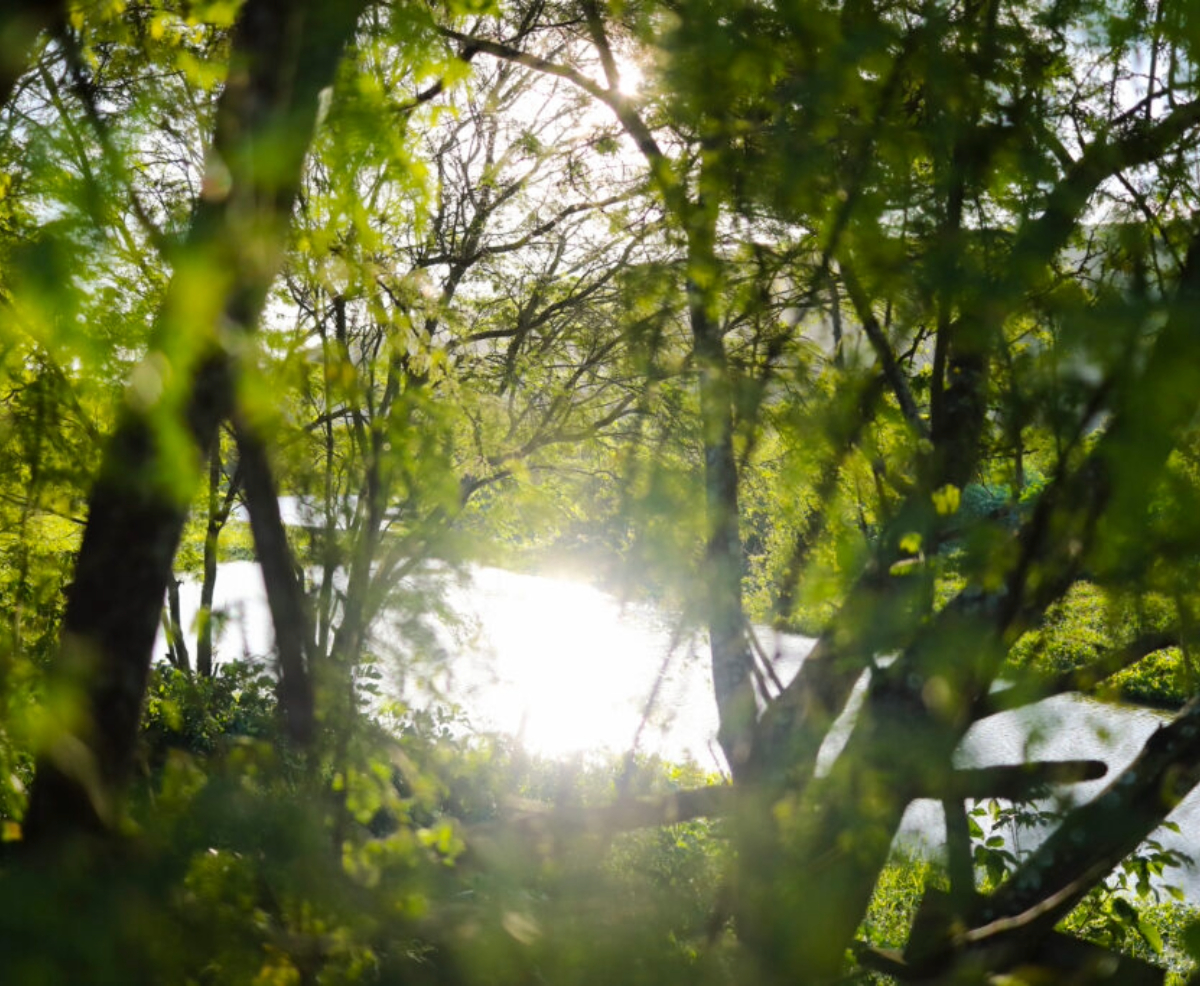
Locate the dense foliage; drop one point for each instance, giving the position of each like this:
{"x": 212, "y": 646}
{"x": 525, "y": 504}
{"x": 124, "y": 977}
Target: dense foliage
{"x": 871, "y": 319}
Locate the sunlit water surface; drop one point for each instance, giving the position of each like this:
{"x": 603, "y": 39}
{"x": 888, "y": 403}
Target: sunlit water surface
{"x": 571, "y": 670}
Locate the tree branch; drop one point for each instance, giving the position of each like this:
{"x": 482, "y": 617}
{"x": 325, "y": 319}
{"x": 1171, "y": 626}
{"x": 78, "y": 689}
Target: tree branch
{"x": 883, "y": 351}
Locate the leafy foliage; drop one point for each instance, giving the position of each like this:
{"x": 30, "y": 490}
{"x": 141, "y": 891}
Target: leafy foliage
{"x": 868, "y": 319}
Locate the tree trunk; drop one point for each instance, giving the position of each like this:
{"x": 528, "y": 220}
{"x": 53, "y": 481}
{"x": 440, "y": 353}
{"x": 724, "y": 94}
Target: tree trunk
{"x": 218, "y": 514}
{"x": 285, "y": 593}
{"x": 732, "y": 663}
{"x": 176, "y": 645}
{"x": 20, "y": 23}
{"x": 838, "y": 833}
{"x": 284, "y": 52}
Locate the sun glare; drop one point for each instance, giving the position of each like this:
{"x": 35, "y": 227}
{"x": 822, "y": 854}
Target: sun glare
{"x": 568, "y": 669}
{"x": 564, "y": 667}
{"x": 631, "y": 79}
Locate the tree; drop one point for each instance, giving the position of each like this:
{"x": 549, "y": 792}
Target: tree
{"x": 913, "y": 132}
{"x": 264, "y": 120}
{"x": 915, "y": 280}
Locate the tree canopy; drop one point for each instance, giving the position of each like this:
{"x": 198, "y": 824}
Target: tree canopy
{"x": 871, "y": 320}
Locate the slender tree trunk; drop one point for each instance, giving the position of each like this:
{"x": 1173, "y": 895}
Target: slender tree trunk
{"x": 176, "y": 644}
{"x": 285, "y": 593}
{"x": 284, "y": 52}
{"x": 732, "y": 662}
{"x": 329, "y": 541}
{"x": 369, "y": 436}
{"x": 212, "y": 535}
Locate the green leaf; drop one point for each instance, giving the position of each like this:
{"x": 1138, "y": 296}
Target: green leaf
{"x": 1150, "y": 935}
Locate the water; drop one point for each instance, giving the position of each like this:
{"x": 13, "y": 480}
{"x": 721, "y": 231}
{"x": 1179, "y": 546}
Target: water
{"x": 571, "y": 670}
{"x": 1065, "y": 727}
{"x": 564, "y": 666}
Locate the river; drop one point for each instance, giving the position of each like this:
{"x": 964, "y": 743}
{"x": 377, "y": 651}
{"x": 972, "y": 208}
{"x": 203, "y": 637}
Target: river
{"x": 573, "y": 671}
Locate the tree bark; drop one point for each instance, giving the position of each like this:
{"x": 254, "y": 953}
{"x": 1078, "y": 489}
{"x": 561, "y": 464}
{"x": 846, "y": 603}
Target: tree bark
{"x": 1093, "y": 839}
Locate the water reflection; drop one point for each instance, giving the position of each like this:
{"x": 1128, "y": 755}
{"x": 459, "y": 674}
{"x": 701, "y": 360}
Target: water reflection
{"x": 570, "y": 669}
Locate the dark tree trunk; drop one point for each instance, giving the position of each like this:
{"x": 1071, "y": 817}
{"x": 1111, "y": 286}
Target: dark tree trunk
{"x": 21, "y": 21}
{"x": 176, "y": 644}
{"x": 284, "y": 52}
{"x": 121, "y": 576}
{"x": 732, "y": 663}
{"x": 217, "y": 516}
{"x": 285, "y": 593}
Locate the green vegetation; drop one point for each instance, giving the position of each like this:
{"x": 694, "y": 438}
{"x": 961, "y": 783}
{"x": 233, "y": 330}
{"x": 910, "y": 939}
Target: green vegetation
{"x": 873, "y": 319}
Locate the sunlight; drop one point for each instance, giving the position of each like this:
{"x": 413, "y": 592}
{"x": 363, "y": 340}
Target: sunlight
{"x": 563, "y": 666}
{"x": 568, "y": 669}
{"x": 631, "y": 78}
